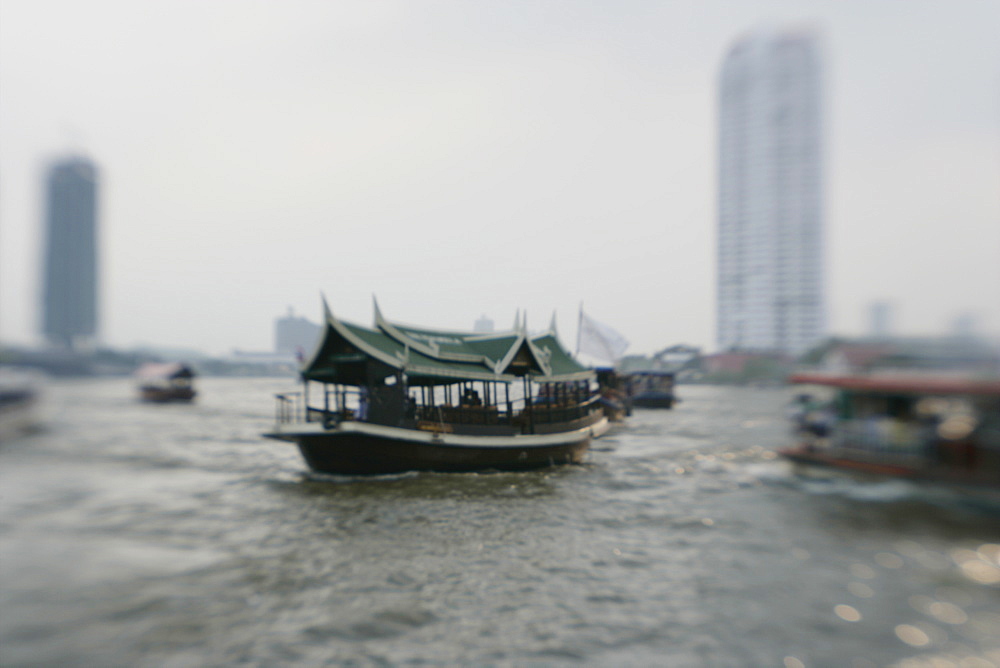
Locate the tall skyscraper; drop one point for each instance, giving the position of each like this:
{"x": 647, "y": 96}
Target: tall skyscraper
{"x": 770, "y": 208}
{"x": 70, "y": 281}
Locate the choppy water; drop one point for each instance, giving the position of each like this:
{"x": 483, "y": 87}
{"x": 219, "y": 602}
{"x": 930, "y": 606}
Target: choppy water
{"x": 141, "y": 535}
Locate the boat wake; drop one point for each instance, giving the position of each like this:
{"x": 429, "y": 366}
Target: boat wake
{"x": 892, "y": 491}
{"x": 316, "y": 476}
{"x": 888, "y": 491}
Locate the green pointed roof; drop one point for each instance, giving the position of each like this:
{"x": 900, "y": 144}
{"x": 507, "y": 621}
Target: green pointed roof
{"x": 430, "y": 356}
{"x": 560, "y": 362}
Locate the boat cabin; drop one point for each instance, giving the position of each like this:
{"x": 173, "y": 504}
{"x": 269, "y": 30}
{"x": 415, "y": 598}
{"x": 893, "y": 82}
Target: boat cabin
{"x": 650, "y": 389}
{"x": 918, "y": 422}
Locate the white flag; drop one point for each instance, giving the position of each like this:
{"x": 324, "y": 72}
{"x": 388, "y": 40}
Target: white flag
{"x": 599, "y": 340}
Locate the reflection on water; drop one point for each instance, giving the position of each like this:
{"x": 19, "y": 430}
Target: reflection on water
{"x": 133, "y": 534}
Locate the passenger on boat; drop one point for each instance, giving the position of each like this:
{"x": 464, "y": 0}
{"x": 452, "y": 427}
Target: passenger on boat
{"x": 362, "y": 413}
{"x": 470, "y": 398}
{"x": 811, "y": 417}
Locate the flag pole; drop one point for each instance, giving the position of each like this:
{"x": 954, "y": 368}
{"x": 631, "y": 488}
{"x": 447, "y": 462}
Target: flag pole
{"x": 579, "y": 325}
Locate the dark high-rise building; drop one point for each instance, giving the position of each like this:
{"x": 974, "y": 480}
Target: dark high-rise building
{"x": 69, "y": 301}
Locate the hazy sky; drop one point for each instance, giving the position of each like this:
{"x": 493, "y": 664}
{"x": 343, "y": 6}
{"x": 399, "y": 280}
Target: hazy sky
{"x": 463, "y": 158}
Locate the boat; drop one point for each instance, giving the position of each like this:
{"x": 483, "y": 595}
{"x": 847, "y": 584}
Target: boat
{"x": 394, "y": 398}
{"x": 170, "y": 382}
{"x": 614, "y": 400}
{"x": 21, "y": 393}
{"x": 650, "y": 389}
{"x": 925, "y": 428}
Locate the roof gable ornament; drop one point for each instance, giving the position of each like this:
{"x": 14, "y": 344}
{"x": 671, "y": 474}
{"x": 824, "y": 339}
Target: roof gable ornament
{"x": 327, "y": 313}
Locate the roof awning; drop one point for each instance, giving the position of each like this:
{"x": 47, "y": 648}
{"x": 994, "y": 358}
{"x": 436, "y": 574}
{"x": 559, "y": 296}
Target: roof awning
{"x": 903, "y": 384}
{"x": 166, "y": 370}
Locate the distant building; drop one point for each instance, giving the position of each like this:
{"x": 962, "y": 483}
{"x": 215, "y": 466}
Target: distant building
{"x": 679, "y": 356}
{"x": 675, "y": 359}
{"x": 770, "y": 204}
{"x": 733, "y": 363}
{"x": 948, "y": 354}
{"x": 484, "y": 325}
{"x": 295, "y": 335}
{"x": 880, "y": 320}
{"x": 964, "y": 325}
{"x": 69, "y": 298}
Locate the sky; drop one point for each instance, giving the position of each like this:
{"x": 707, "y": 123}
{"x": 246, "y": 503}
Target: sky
{"x": 456, "y": 159}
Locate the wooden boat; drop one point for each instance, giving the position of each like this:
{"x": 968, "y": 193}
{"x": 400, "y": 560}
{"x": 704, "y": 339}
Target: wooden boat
{"x": 395, "y": 398}
{"x": 614, "y": 399}
{"x": 166, "y": 382}
{"x": 922, "y": 428}
{"x": 651, "y": 389}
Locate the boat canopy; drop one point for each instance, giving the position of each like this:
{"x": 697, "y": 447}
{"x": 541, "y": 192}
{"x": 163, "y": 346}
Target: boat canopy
{"x": 347, "y": 354}
{"x": 903, "y": 384}
{"x": 164, "y": 371}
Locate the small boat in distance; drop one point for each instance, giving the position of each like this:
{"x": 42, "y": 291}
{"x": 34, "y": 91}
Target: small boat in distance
{"x": 396, "y": 398}
{"x": 941, "y": 429}
{"x": 650, "y": 389}
{"x": 166, "y": 382}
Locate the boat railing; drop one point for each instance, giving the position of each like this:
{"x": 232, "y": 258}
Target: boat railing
{"x": 515, "y": 413}
{"x": 291, "y": 407}
{"x": 338, "y": 406}
{"x": 562, "y": 412}
{"x": 288, "y": 407}
{"x": 481, "y": 415}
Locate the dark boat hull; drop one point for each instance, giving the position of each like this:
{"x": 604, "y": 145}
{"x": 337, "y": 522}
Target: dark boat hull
{"x": 358, "y": 449}
{"x": 653, "y": 400}
{"x": 163, "y": 396}
{"x": 887, "y": 469}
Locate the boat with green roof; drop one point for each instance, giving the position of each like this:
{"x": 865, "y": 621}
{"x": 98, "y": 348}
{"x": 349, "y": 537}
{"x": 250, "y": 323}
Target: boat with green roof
{"x": 394, "y": 398}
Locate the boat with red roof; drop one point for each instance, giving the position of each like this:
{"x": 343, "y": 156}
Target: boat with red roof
{"x": 917, "y": 426}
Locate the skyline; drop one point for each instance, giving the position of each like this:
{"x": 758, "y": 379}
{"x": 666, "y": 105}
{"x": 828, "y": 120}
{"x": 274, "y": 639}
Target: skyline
{"x": 448, "y": 149}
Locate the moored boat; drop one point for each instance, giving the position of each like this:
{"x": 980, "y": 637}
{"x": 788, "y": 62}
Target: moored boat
{"x": 651, "y": 389}
{"x": 166, "y": 382}
{"x": 922, "y": 428}
{"x": 396, "y": 398}
{"x": 614, "y": 400}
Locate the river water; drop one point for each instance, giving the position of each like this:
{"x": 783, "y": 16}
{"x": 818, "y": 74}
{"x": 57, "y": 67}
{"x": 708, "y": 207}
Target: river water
{"x": 144, "y": 535}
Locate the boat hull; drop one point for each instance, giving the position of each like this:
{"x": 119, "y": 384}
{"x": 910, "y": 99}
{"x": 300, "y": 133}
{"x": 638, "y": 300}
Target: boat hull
{"x": 162, "y": 396}
{"x": 355, "y": 448}
{"x": 653, "y": 400}
{"x": 888, "y": 469}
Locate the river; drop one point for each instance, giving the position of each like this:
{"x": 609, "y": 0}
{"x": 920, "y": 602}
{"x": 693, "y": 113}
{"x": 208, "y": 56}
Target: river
{"x": 149, "y": 535}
